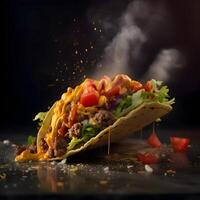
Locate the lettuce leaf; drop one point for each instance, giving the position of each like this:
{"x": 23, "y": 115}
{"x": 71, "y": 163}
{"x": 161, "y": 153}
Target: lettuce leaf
{"x": 31, "y": 140}
{"x": 40, "y": 116}
{"x": 124, "y": 103}
{"x": 74, "y": 142}
{"x": 160, "y": 93}
{"x": 88, "y": 131}
{"x": 128, "y": 104}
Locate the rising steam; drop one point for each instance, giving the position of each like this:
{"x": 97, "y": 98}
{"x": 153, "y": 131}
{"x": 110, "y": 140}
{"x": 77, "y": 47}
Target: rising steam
{"x": 136, "y": 26}
{"x": 116, "y": 54}
{"x": 166, "y": 61}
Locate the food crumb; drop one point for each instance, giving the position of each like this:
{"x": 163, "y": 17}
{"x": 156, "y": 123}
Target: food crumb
{"x": 2, "y": 176}
{"x": 106, "y": 169}
{"x": 63, "y": 161}
{"x": 73, "y": 168}
{"x": 6, "y": 142}
{"x": 148, "y": 168}
{"x": 53, "y": 163}
{"x": 103, "y": 182}
{"x": 5, "y": 186}
{"x": 140, "y": 172}
{"x": 170, "y": 172}
{"x": 60, "y": 184}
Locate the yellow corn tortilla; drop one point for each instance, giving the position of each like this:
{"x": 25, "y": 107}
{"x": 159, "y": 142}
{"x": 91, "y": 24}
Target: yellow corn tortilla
{"x": 45, "y": 125}
{"x": 134, "y": 121}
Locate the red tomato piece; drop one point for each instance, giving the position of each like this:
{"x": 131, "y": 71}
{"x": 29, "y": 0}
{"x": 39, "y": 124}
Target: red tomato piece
{"x": 114, "y": 91}
{"x": 90, "y": 98}
{"x": 148, "y": 158}
{"x": 135, "y": 85}
{"x": 154, "y": 141}
{"x": 148, "y": 86}
{"x": 179, "y": 144}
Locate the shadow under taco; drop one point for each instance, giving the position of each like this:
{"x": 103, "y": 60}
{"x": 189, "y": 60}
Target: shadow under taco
{"x": 95, "y": 112}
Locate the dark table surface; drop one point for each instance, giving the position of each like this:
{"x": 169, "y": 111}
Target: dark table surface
{"x": 99, "y": 176}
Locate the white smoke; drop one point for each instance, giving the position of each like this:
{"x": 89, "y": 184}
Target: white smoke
{"x": 129, "y": 40}
{"x": 116, "y": 54}
{"x": 161, "y": 68}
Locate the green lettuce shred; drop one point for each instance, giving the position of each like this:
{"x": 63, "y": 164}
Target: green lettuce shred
{"x": 87, "y": 131}
{"x": 124, "y": 103}
{"x": 40, "y": 117}
{"x": 31, "y": 140}
{"x": 159, "y": 94}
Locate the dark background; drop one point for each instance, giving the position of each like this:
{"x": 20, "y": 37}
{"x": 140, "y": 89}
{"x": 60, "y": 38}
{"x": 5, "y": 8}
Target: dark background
{"x": 40, "y": 59}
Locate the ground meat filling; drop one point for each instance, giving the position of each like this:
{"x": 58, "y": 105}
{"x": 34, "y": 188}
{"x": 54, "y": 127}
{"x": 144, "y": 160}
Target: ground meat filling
{"x": 50, "y": 153}
{"x": 75, "y": 131}
{"x": 104, "y": 118}
{"x": 60, "y": 146}
{"x": 32, "y": 148}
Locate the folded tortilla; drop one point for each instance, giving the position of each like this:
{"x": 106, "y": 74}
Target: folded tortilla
{"x": 130, "y": 122}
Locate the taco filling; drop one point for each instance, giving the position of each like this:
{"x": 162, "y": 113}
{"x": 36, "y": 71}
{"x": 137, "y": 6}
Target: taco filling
{"x": 85, "y": 111}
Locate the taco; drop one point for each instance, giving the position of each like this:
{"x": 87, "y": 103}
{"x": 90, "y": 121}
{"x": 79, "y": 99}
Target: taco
{"x": 93, "y": 112}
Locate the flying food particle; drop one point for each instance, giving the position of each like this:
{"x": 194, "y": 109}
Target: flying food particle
{"x": 6, "y": 142}
{"x": 3, "y": 176}
{"x": 103, "y": 182}
{"x": 106, "y": 169}
{"x": 148, "y": 168}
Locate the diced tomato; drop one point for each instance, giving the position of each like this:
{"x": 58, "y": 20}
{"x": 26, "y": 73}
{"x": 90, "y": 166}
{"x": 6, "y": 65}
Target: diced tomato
{"x": 148, "y": 86}
{"x": 148, "y": 158}
{"x": 154, "y": 141}
{"x": 179, "y": 144}
{"x": 73, "y": 115}
{"x": 135, "y": 85}
{"x": 62, "y": 130}
{"x": 114, "y": 91}
{"x": 90, "y": 98}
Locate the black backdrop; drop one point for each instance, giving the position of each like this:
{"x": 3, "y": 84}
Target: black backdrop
{"x": 40, "y": 60}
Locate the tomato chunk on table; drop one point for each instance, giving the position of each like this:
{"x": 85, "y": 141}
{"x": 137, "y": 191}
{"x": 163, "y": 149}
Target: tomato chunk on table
{"x": 179, "y": 144}
{"x": 148, "y": 158}
{"x": 154, "y": 141}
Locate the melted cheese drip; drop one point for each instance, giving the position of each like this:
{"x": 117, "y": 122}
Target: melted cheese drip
{"x": 26, "y": 155}
{"x": 109, "y": 142}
